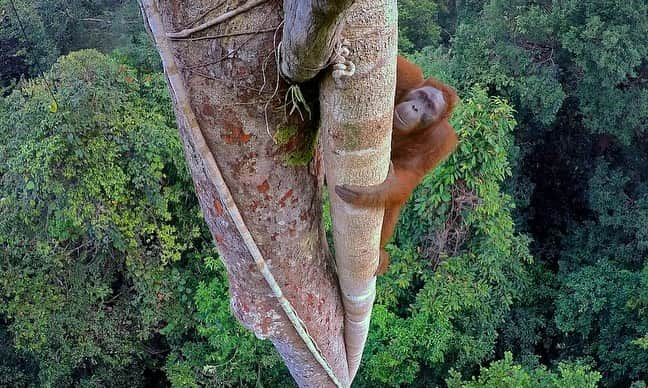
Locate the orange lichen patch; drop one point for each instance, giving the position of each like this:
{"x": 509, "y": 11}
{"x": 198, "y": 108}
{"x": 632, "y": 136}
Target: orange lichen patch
{"x": 265, "y": 325}
{"x": 263, "y": 187}
{"x": 207, "y": 109}
{"x": 218, "y": 207}
{"x": 236, "y": 136}
{"x": 310, "y": 298}
{"x": 282, "y": 201}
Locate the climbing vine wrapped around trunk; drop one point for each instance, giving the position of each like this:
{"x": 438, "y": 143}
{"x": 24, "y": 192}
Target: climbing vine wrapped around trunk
{"x": 356, "y": 121}
{"x": 356, "y": 135}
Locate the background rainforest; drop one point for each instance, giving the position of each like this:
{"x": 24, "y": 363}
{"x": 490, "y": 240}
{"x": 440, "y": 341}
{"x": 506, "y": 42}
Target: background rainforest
{"x": 521, "y": 261}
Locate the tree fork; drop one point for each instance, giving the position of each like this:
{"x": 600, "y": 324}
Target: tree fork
{"x": 311, "y": 33}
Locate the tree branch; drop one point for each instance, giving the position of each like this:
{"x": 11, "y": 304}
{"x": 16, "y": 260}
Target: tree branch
{"x": 96, "y": 20}
{"x": 219, "y": 19}
{"x": 227, "y": 35}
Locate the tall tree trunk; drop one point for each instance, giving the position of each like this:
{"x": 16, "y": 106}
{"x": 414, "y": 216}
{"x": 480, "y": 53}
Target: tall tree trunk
{"x": 227, "y": 97}
{"x": 356, "y": 122}
{"x": 356, "y": 135}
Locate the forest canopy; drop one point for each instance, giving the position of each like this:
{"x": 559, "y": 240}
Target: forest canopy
{"x": 521, "y": 261}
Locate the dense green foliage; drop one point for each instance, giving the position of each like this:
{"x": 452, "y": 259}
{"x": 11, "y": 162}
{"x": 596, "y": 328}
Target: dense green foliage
{"x": 54, "y": 27}
{"x": 576, "y": 73}
{"x": 417, "y": 24}
{"x": 22, "y": 54}
{"x": 93, "y": 209}
{"x": 537, "y": 53}
{"x": 108, "y": 274}
{"x": 521, "y": 261}
{"x": 457, "y": 302}
{"x": 505, "y": 374}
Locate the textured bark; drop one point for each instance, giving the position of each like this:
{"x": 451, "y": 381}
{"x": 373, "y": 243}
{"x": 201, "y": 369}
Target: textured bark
{"x": 228, "y": 83}
{"x": 311, "y": 31}
{"x": 356, "y": 135}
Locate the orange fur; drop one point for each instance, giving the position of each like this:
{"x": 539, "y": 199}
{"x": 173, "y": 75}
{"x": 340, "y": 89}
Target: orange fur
{"x": 413, "y": 155}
